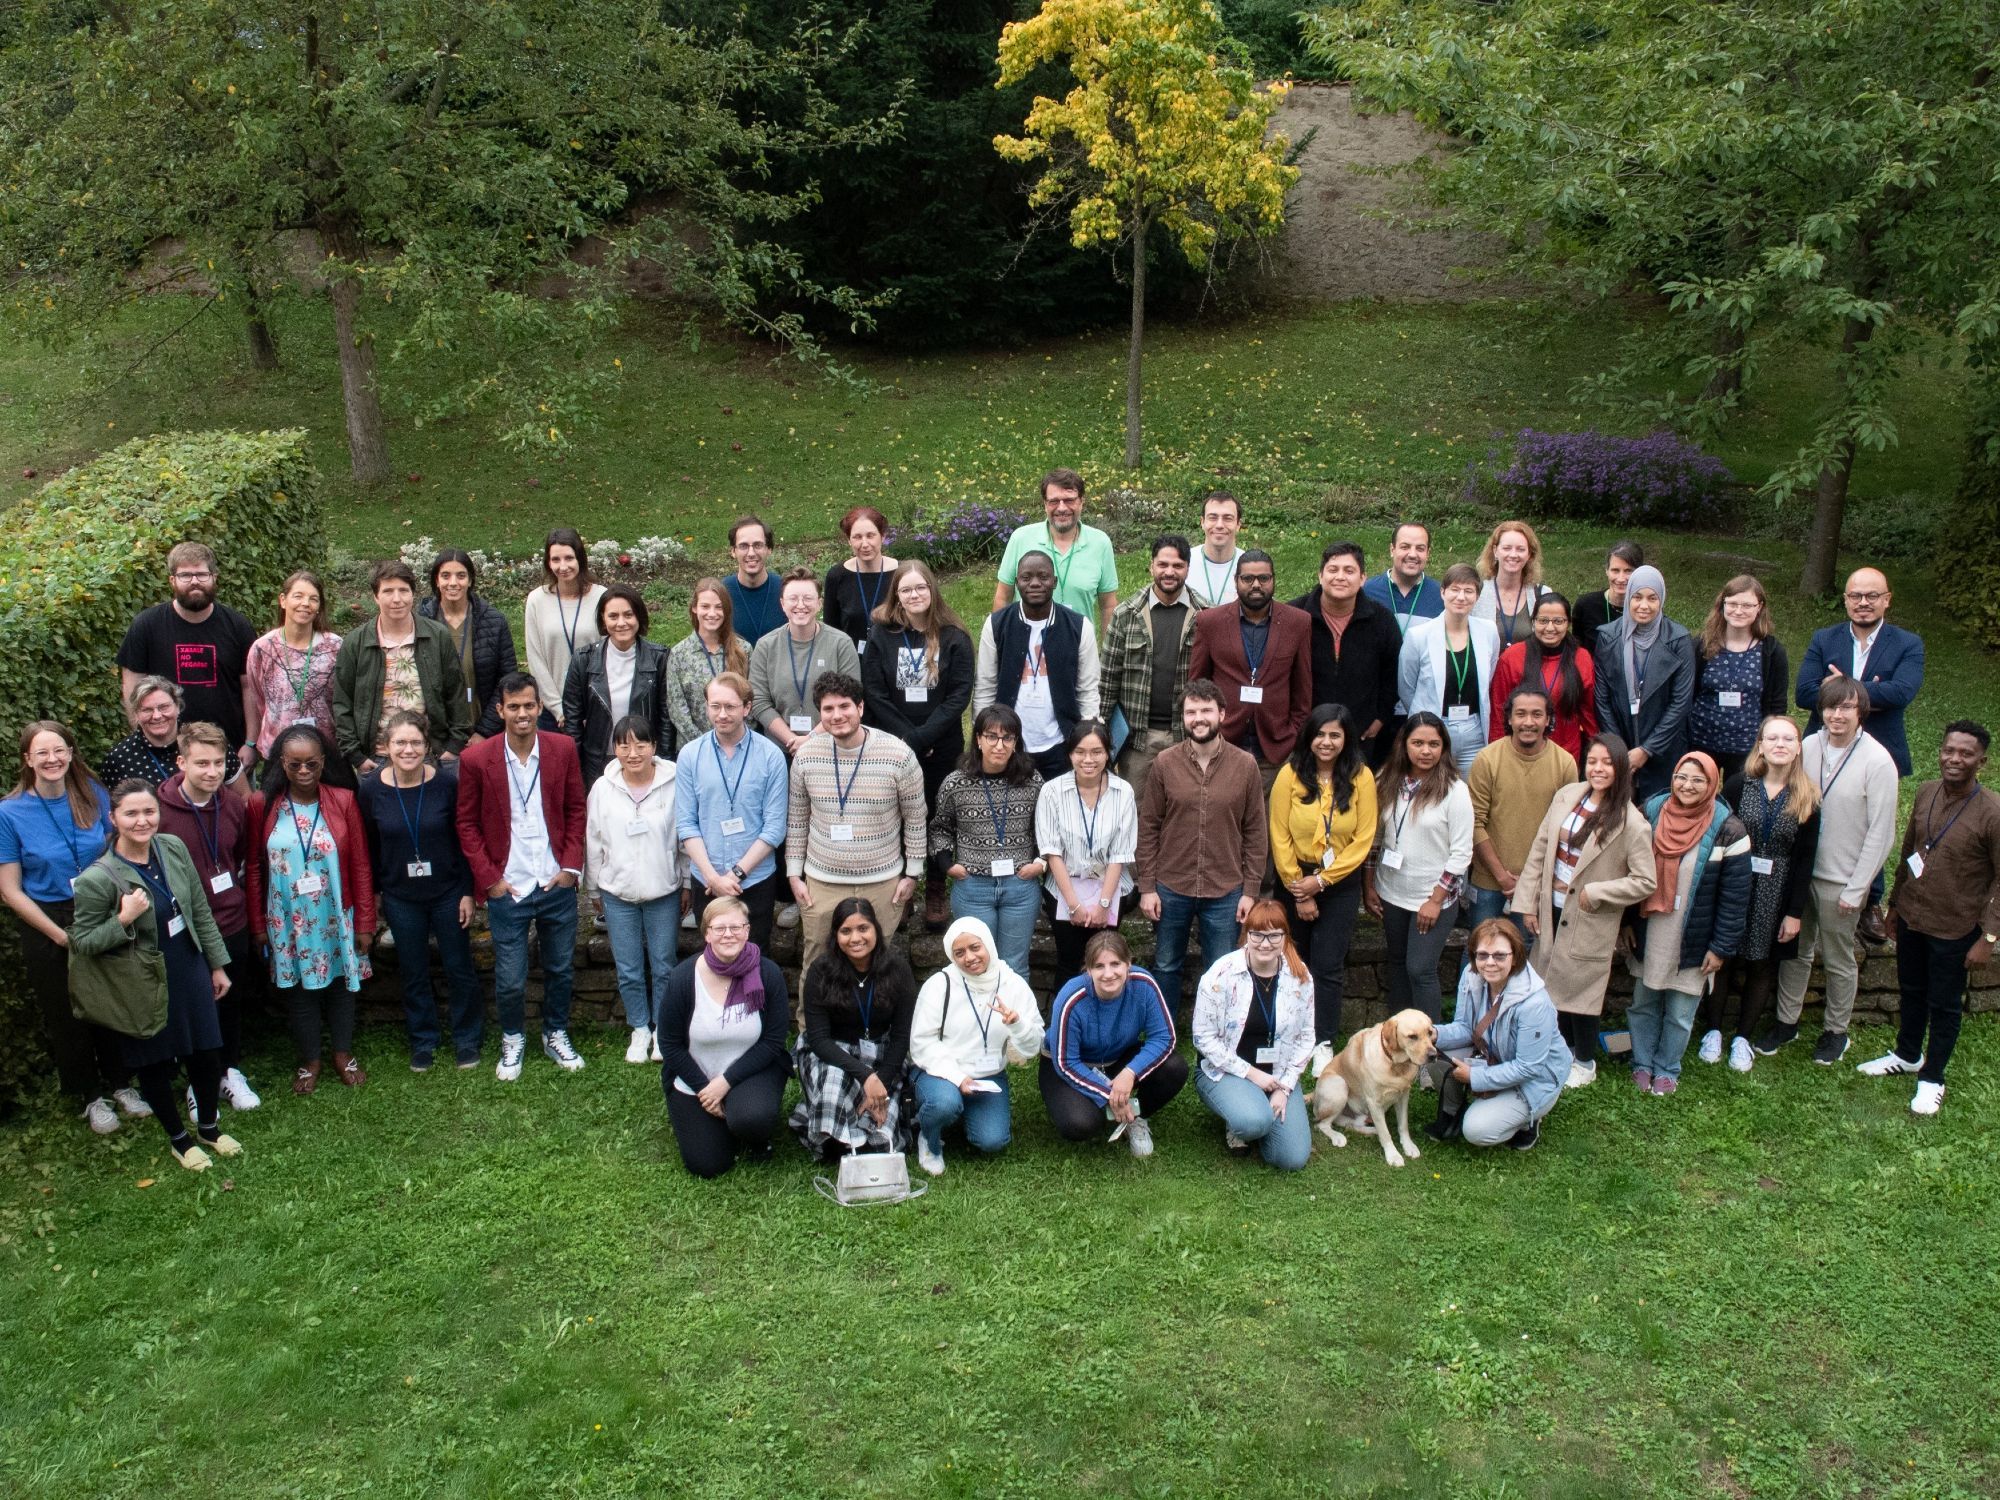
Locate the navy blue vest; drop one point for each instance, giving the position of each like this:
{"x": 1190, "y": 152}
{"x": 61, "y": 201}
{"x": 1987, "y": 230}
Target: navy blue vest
{"x": 1062, "y": 644}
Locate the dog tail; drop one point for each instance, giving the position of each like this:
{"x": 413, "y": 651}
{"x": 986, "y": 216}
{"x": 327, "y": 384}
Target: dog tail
{"x": 1321, "y": 1056}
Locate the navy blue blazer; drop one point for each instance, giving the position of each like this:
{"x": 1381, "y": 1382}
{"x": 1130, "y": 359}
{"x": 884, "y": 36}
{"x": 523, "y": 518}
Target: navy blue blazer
{"x": 1894, "y": 677}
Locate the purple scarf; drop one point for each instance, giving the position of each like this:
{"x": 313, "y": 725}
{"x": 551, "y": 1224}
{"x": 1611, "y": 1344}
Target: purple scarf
{"x": 745, "y": 976}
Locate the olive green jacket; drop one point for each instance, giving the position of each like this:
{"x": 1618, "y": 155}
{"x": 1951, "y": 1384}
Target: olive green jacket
{"x": 117, "y": 974}
{"x": 360, "y": 670}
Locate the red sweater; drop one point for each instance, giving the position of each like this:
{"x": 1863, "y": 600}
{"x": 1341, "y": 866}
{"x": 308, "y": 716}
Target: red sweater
{"x": 485, "y": 811}
{"x": 227, "y": 820}
{"x": 1571, "y": 731}
{"x": 342, "y": 817}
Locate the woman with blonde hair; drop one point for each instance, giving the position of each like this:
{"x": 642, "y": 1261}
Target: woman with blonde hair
{"x": 711, "y": 648}
{"x": 1741, "y": 675}
{"x": 1253, "y": 1026}
{"x": 1511, "y": 565}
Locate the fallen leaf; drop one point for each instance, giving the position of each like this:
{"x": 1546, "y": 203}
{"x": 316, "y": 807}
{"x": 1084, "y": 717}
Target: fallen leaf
{"x": 145, "y": 1182}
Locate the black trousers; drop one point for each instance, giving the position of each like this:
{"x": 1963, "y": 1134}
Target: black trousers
{"x": 1078, "y": 1117}
{"x": 1931, "y": 974}
{"x": 1322, "y": 942}
{"x": 156, "y": 1087}
{"x": 1581, "y": 1034}
{"x": 306, "y": 1011}
{"x": 749, "y": 1120}
{"x": 1070, "y": 941}
{"x": 89, "y": 1061}
{"x": 761, "y": 898}
{"x": 246, "y": 988}
{"x": 1755, "y": 981}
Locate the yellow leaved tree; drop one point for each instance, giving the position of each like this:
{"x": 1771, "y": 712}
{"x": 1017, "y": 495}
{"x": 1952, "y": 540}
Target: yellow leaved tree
{"x": 1166, "y": 127}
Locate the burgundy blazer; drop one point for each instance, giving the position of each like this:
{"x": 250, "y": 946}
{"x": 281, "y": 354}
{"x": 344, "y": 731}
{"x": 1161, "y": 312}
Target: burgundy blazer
{"x": 341, "y": 815}
{"x": 1285, "y": 675}
{"x": 486, "y": 814}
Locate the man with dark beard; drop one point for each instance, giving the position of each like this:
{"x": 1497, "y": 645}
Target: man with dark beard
{"x": 198, "y": 645}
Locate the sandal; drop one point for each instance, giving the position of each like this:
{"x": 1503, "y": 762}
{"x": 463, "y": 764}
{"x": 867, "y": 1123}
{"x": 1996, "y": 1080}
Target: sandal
{"x": 306, "y": 1079}
{"x": 348, "y": 1071}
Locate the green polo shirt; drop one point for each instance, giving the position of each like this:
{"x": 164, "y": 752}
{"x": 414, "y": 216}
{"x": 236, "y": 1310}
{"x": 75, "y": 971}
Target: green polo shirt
{"x": 1090, "y": 569}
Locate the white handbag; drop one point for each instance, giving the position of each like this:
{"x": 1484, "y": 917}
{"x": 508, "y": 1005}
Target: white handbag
{"x": 870, "y": 1177}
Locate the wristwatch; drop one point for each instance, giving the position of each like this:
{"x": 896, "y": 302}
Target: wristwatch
{"x": 1104, "y": 902}
{"x": 737, "y": 871}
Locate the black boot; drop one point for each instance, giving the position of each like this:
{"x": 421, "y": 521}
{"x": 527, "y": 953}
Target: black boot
{"x": 1446, "y": 1126}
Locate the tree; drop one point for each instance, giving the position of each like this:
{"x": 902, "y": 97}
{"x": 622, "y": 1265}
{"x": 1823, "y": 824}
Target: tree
{"x": 1784, "y": 174}
{"x": 1165, "y": 128}
{"x": 446, "y": 160}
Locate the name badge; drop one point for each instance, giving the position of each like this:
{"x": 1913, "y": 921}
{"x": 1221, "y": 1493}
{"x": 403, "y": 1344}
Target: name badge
{"x": 637, "y": 827}
{"x": 1916, "y": 863}
{"x": 1249, "y": 694}
{"x": 1326, "y": 859}
{"x": 1632, "y": 707}
{"x": 223, "y": 881}
{"x": 1761, "y": 866}
{"x": 1392, "y": 859}
{"x": 310, "y": 885}
{"x": 1726, "y": 699}
{"x": 1267, "y": 1057}
{"x": 917, "y": 695}
{"x": 1458, "y": 712}
{"x": 841, "y": 833}
{"x": 1002, "y": 867}
{"x": 860, "y": 648}
{"x": 176, "y": 926}
{"x": 418, "y": 869}
{"x": 800, "y": 723}
{"x": 733, "y": 825}
{"x": 304, "y": 719}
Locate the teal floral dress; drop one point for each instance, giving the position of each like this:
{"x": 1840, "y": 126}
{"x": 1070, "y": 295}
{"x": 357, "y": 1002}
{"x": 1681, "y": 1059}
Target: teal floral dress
{"x": 307, "y": 920}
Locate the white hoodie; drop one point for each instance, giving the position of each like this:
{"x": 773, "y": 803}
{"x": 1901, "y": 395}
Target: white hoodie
{"x": 945, "y": 1039}
{"x": 622, "y": 858}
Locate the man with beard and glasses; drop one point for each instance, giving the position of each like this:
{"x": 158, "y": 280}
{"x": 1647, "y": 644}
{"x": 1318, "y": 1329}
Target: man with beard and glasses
{"x": 196, "y": 644}
{"x": 1203, "y": 840}
{"x": 1086, "y": 564}
{"x": 1145, "y": 666}
{"x": 1258, "y": 653}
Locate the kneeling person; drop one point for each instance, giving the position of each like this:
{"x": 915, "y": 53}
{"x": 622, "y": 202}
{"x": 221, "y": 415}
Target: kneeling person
{"x": 1253, "y": 1025}
{"x": 1508, "y": 1054}
{"x": 1109, "y": 1052}
{"x": 961, "y": 1056}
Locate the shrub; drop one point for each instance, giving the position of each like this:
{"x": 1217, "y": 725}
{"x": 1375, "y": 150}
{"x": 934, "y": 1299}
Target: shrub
{"x": 611, "y": 561}
{"x": 1661, "y": 480}
{"x": 88, "y": 552}
{"x": 956, "y": 538}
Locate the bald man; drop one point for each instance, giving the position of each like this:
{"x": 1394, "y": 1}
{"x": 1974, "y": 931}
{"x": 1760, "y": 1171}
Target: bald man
{"x": 1886, "y": 659}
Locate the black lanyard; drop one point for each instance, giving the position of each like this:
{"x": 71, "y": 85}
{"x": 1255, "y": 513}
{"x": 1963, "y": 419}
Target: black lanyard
{"x": 722, "y": 770}
{"x": 984, "y": 1020}
{"x": 211, "y": 841}
{"x": 843, "y": 793}
{"x": 1265, "y": 993}
{"x": 416, "y": 853}
{"x": 307, "y": 837}
{"x": 1930, "y": 819}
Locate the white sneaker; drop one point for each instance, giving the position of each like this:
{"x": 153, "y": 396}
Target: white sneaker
{"x": 556, "y": 1045}
{"x": 1711, "y": 1047}
{"x": 931, "y": 1161}
{"x": 236, "y": 1091}
{"x": 512, "y": 1046}
{"x": 1888, "y": 1065}
{"x": 1234, "y": 1141}
{"x": 1929, "y": 1097}
{"x": 1139, "y": 1136}
{"x": 102, "y": 1117}
{"x": 653, "y": 1053}
{"x": 1581, "y": 1075}
{"x": 131, "y": 1105}
{"x": 788, "y": 915}
{"x": 642, "y": 1043}
{"x": 687, "y": 920}
{"x": 1741, "y": 1056}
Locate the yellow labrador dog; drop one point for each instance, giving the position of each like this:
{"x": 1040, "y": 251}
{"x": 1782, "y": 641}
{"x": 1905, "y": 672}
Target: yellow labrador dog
{"x": 1373, "y": 1074}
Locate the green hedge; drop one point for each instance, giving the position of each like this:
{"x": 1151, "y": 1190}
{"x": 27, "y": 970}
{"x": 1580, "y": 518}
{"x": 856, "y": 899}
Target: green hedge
{"x": 87, "y": 553}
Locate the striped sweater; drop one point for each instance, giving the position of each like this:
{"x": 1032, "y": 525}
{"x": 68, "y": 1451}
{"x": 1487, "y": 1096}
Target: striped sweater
{"x": 881, "y": 812}
{"x": 1134, "y": 1029}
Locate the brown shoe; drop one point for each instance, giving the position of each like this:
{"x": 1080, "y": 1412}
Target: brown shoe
{"x": 937, "y": 910}
{"x": 348, "y": 1071}
{"x": 306, "y": 1079}
{"x": 1873, "y": 930}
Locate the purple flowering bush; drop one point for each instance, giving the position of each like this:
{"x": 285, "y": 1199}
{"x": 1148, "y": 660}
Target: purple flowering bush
{"x": 1661, "y": 480}
{"x": 955, "y": 538}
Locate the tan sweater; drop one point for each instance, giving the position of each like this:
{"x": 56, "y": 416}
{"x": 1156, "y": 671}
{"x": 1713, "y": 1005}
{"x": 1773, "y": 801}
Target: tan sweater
{"x": 1510, "y": 793}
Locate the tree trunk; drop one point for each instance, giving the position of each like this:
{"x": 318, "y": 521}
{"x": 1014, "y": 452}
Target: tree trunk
{"x": 1726, "y": 382}
{"x": 1138, "y": 341}
{"x": 1830, "y": 495}
{"x": 367, "y": 442}
{"x": 257, "y": 327}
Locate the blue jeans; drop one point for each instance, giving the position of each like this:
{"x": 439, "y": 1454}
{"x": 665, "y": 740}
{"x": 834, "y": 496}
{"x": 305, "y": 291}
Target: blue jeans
{"x": 642, "y": 931}
{"x": 1246, "y": 1112}
{"x": 1661, "y": 1021}
{"x": 1178, "y": 914}
{"x": 414, "y": 923}
{"x": 552, "y": 912}
{"x": 1007, "y": 905}
{"x": 988, "y": 1119}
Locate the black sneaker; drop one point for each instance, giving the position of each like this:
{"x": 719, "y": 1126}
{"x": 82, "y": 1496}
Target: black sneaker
{"x": 1774, "y": 1037}
{"x": 469, "y": 1059}
{"x": 1831, "y": 1049}
{"x": 420, "y": 1062}
{"x": 1526, "y": 1138}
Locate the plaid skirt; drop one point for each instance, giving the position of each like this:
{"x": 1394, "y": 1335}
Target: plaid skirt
{"x": 829, "y": 1107}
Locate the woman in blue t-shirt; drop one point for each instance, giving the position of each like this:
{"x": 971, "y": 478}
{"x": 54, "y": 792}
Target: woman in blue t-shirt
{"x": 56, "y": 822}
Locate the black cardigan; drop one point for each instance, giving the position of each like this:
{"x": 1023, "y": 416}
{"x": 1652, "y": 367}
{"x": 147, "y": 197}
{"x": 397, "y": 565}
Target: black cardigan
{"x": 1364, "y": 678}
{"x": 677, "y": 1015}
{"x": 936, "y": 723}
{"x": 845, "y": 610}
{"x": 826, "y": 1027}
{"x": 492, "y": 658}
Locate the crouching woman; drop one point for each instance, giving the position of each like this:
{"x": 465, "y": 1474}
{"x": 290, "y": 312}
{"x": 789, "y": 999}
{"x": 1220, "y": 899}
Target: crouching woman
{"x": 1509, "y": 1061}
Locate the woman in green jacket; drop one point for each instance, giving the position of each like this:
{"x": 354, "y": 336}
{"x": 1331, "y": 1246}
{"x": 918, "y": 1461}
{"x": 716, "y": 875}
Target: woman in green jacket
{"x": 147, "y": 961}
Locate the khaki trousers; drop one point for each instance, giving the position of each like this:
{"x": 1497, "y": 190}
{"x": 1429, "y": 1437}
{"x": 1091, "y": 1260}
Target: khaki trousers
{"x": 1826, "y": 927}
{"x": 1142, "y": 748}
{"x": 816, "y": 921}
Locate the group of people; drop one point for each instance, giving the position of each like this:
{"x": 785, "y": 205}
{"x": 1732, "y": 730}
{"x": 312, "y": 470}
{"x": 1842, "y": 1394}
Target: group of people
{"x": 1580, "y": 787}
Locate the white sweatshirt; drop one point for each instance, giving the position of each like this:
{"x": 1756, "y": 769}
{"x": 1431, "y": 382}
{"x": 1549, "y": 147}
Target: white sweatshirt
{"x": 640, "y": 865}
{"x": 945, "y": 1039}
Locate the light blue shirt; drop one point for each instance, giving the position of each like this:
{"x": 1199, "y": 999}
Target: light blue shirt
{"x": 705, "y": 777}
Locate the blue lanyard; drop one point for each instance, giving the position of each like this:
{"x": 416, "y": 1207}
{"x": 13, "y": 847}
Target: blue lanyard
{"x": 984, "y": 1018}
{"x": 860, "y": 755}
{"x": 307, "y": 839}
{"x": 1930, "y": 819}
{"x": 1090, "y": 816}
{"x": 800, "y": 679}
{"x": 999, "y": 817}
{"x": 211, "y": 842}
{"x": 713, "y": 658}
{"x": 416, "y": 853}
{"x": 164, "y": 767}
{"x": 156, "y": 878}
{"x": 569, "y": 625}
{"x": 868, "y": 596}
{"x": 1256, "y": 663}
{"x": 515, "y": 781}
{"x": 1639, "y": 663}
{"x": 65, "y": 827}
{"x": 722, "y": 768}
{"x": 1507, "y": 621}
{"x": 1772, "y": 807}
{"x": 864, "y": 1001}
{"x": 915, "y": 658}
{"x": 1265, "y": 993}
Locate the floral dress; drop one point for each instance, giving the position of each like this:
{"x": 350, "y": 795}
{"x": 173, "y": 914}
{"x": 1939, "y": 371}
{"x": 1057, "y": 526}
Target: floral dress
{"x": 296, "y": 686}
{"x": 311, "y": 933}
{"x": 690, "y": 668}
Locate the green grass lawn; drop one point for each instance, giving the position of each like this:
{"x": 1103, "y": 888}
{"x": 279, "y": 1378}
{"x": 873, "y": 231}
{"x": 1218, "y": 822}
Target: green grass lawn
{"x": 1776, "y": 1284}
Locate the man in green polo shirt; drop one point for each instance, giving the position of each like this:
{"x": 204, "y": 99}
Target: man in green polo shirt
{"x": 1086, "y": 567}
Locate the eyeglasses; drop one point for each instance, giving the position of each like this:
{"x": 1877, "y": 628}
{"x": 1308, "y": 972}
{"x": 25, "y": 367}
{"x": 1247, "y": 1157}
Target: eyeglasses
{"x": 1263, "y": 939}
{"x": 997, "y": 737}
{"x": 1690, "y": 778}
{"x": 729, "y": 929}
{"x": 1498, "y": 956}
{"x": 1856, "y": 597}
{"x": 204, "y": 576}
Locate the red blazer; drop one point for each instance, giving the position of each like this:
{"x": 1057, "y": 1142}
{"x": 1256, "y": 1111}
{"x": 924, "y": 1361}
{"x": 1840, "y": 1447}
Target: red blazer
{"x": 485, "y": 807}
{"x": 1571, "y": 733}
{"x": 1285, "y": 675}
{"x": 342, "y": 816}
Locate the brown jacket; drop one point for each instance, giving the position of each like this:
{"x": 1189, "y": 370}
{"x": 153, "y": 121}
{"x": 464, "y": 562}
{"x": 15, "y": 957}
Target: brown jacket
{"x": 1573, "y": 955}
{"x": 1285, "y": 675}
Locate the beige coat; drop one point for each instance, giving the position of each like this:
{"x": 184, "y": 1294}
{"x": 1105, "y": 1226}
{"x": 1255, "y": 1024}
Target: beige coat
{"x": 1574, "y": 956}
